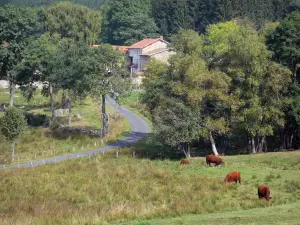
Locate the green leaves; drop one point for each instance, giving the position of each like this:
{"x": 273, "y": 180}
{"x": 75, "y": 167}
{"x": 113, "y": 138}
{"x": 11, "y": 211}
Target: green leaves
{"x": 12, "y": 124}
{"x": 127, "y": 22}
{"x": 284, "y": 43}
{"x": 73, "y": 21}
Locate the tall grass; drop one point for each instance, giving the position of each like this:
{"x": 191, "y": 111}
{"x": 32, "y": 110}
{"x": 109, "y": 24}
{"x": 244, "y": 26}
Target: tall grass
{"x": 104, "y": 189}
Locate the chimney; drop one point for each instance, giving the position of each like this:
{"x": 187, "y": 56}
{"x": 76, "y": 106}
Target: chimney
{"x": 161, "y": 37}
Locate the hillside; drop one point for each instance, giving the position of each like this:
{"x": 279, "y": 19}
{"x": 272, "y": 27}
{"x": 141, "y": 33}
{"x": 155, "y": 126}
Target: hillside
{"x": 105, "y": 190}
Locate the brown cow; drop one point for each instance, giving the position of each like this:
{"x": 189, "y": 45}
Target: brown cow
{"x": 184, "y": 161}
{"x": 213, "y": 159}
{"x": 233, "y": 176}
{"x": 264, "y": 192}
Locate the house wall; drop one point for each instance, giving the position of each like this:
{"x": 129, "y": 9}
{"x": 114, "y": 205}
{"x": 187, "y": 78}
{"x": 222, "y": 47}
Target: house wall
{"x": 135, "y": 54}
{"x": 144, "y": 61}
{"x": 163, "y": 56}
{"x": 155, "y": 45}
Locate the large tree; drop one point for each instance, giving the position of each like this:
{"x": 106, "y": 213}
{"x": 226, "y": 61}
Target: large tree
{"x": 73, "y": 21}
{"x": 189, "y": 81}
{"x": 72, "y": 70}
{"x": 258, "y": 84}
{"x": 38, "y": 65}
{"x": 284, "y": 43}
{"x": 17, "y": 26}
{"x": 109, "y": 77}
{"x": 128, "y": 21}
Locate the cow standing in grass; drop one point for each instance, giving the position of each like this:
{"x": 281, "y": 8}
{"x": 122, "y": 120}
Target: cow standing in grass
{"x": 184, "y": 162}
{"x": 213, "y": 159}
{"x": 234, "y": 176}
{"x": 264, "y": 192}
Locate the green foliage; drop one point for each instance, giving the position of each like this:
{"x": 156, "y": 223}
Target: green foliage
{"x": 73, "y": 21}
{"x": 110, "y": 75}
{"x": 284, "y": 43}
{"x": 17, "y": 26}
{"x": 12, "y": 124}
{"x": 35, "y": 3}
{"x": 175, "y": 123}
{"x": 126, "y": 22}
{"x": 259, "y": 84}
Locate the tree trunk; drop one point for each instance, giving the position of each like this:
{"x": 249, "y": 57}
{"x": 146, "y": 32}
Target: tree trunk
{"x": 260, "y": 143}
{"x": 104, "y": 118}
{"x": 295, "y": 73}
{"x": 13, "y": 151}
{"x": 63, "y": 99}
{"x": 70, "y": 113}
{"x": 282, "y": 139}
{"x": 52, "y": 103}
{"x": 213, "y": 144}
{"x": 253, "y": 149}
{"x": 12, "y": 87}
{"x": 185, "y": 147}
{"x": 265, "y": 144}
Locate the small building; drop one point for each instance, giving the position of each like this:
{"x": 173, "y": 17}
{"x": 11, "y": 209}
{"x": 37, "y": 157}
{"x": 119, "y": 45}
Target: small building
{"x": 141, "y": 52}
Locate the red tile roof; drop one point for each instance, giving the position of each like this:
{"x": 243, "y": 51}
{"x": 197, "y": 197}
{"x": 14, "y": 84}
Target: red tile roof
{"x": 146, "y": 42}
{"x": 121, "y": 48}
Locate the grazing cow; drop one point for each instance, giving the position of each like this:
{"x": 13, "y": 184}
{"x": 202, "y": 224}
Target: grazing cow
{"x": 184, "y": 161}
{"x": 213, "y": 159}
{"x": 264, "y": 192}
{"x": 233, "y": 176}
{"x": 222, "y": 154}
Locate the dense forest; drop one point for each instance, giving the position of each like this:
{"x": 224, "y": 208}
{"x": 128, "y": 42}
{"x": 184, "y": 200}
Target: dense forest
{"x": 95, "y": 4}
{"x": 126, "y": 21}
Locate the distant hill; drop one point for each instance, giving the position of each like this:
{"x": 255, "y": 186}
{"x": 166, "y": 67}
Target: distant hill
{"x": 89, "y": 3}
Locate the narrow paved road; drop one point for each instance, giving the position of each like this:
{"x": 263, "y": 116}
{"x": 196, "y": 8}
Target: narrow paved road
{"x": 139, "y": 129}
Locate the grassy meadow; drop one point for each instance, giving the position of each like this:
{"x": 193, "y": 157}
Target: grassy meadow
{"x": 140, "y": 191}
{"x": 36, "y": 142}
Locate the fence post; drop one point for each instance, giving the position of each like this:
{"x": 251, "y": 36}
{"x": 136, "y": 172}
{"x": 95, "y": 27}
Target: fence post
{"x": 133, "y": 154}
{"x": 117, "y": 155}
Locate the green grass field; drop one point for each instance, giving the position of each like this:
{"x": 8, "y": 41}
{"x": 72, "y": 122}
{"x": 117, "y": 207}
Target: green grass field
{"x": 105, "y": 190}
{"x": 37, "y": 143}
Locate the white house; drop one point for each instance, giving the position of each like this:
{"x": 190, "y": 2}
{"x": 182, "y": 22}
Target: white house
{"x": 141, "y": 52}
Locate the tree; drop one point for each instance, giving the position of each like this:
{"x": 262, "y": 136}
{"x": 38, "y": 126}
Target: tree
{"x": 12, "y": 125}
{"x": 128, "y": 22}
{"x": 284, "y": 43}
{"x": 17, "y": 26}
{"x": 38, "y": 65}
{"x": 258, "y": 84}
{"x": 109, "y": 77}
{"x": 188, "y": 80}
{"x": 72, "y": 70}
{"x": 73, "y": 21}
{"x": 176, "y": 124}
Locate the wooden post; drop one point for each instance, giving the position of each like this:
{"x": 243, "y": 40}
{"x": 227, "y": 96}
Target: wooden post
{"x": 117, "y": 155}
{"x": 133, "y": 154}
